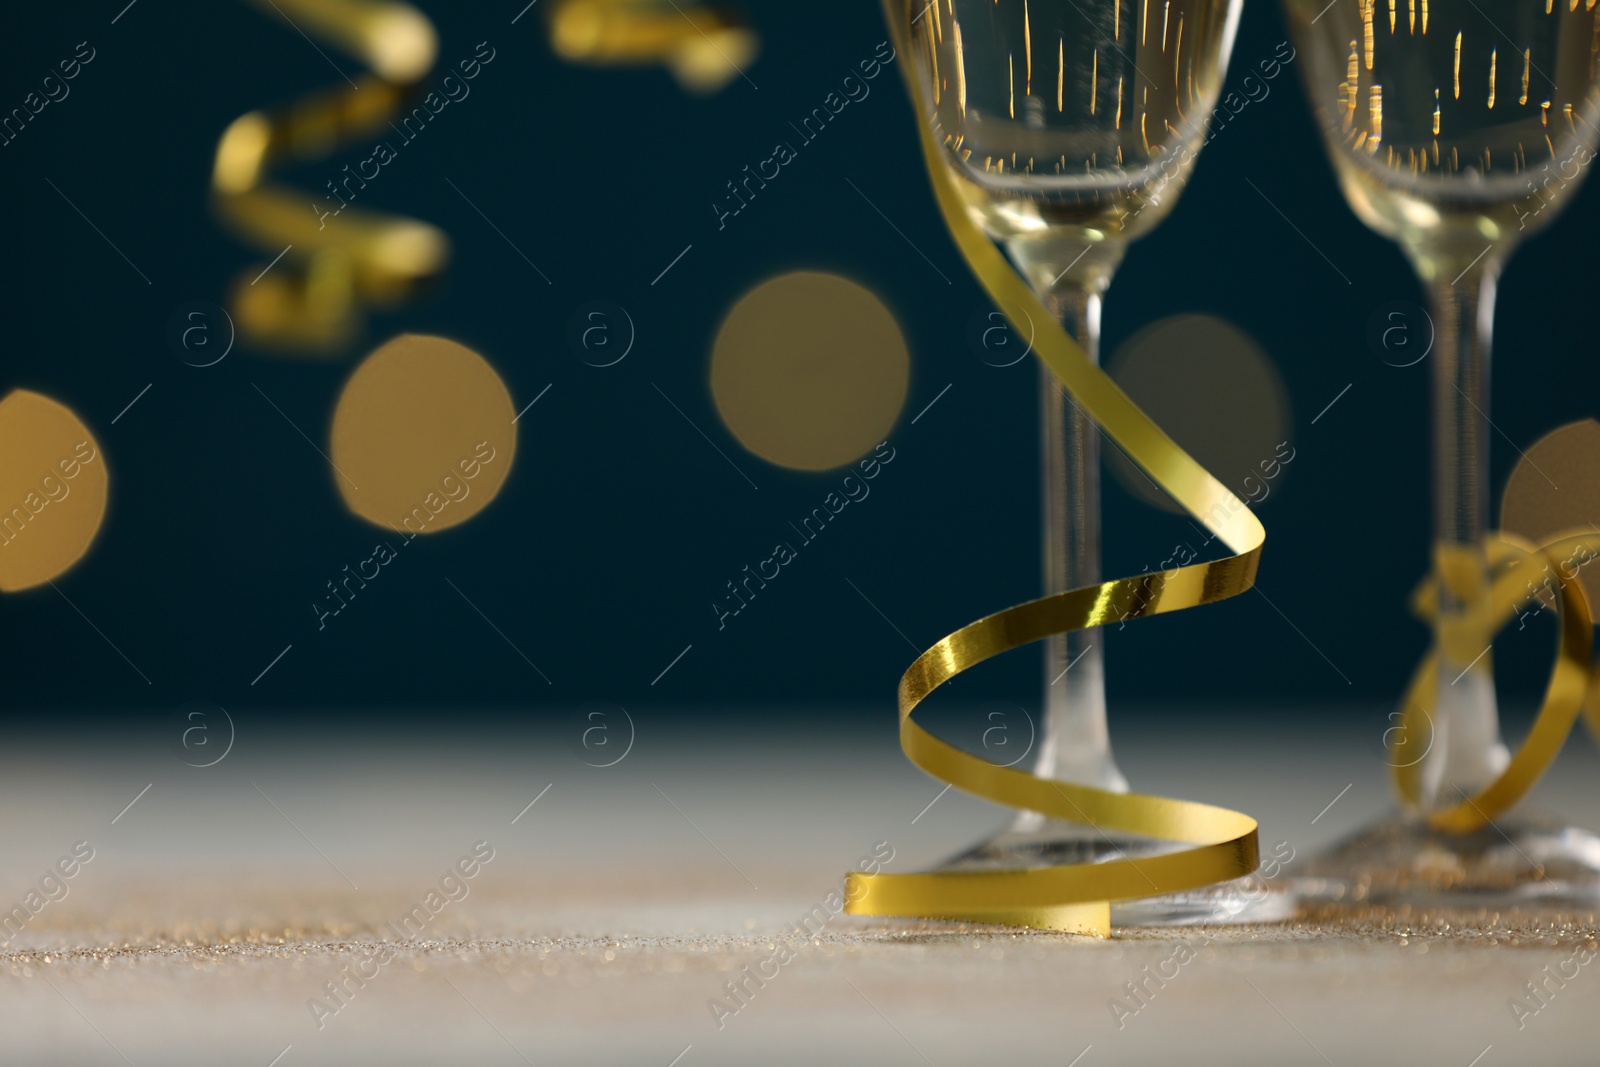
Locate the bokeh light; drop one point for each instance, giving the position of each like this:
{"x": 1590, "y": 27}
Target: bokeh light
{"x": 1532, "y": 507}
{"x": 52, "y": 489}
{"x": 1216, "y": 393}
{"x": 810, "y": 370}
{"x": 423, "y": 436}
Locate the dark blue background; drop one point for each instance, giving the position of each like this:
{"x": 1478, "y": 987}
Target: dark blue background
{"x": 619, "y": 525}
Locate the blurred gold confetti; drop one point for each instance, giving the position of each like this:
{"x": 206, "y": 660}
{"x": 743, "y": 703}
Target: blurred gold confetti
{"x": 332, "y": 267}
{"x": 52, "y": 490}
{"x": 1554, "y": 491}
{"x": 1217, "y": 394}
{"x": 704, "y": 47}
{"x": 423, "y": 435}
{"x": 809, "y": 370}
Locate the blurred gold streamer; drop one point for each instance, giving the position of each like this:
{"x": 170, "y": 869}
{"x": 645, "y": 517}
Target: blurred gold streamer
{"x": 1515, "y": 570}
{"x": 1523, "y": 579}
{"x": 362, "y": 257}
{"x": 704, "y": 47}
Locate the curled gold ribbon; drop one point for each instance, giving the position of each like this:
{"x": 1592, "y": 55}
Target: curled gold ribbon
{"x": 360, "y": 257}
{"x": 1074, "y": 897}
{"x": 704, "y": 46}
{"x": 1574, "y": 686}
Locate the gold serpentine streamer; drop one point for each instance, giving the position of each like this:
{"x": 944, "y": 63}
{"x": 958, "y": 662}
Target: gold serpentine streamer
{"x": 1574, "y": 686}
{"x": 1075, "y": 897}
{"x": 362, "y": 257}
{"x": 705, "y": 47}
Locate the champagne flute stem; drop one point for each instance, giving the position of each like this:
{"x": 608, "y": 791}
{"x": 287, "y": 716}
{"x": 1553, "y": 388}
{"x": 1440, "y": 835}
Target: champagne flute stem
{"x": 1466, "y": 750}
{"x": 1076, "y": 745}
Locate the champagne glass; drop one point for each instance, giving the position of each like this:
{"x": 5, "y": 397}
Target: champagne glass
{"x": 1070, "y": 126}
{"x": 1457, "y": 128}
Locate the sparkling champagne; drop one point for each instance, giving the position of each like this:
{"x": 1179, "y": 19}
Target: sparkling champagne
{"x": 1071, "y": 112}
{"x": 1465, "y": 120}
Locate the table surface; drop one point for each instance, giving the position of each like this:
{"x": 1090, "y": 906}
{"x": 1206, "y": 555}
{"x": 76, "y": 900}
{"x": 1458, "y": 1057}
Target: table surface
{"x": 219, "y": 905}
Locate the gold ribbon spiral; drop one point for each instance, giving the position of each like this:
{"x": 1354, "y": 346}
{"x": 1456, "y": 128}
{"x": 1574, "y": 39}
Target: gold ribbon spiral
{"x": 361, "y": 257}
{"x": 1573, "y": 688}
{"x": 1075, "y": 897}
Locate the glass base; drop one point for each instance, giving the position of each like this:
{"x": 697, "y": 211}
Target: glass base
{"x": 1035, "y": 841}
{"x": 1525, "y": 858}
